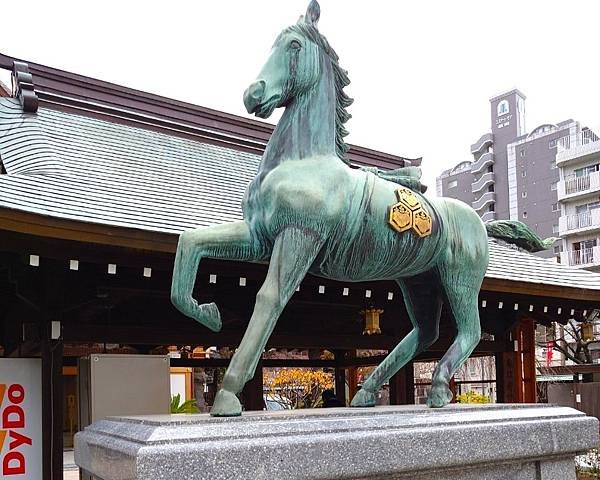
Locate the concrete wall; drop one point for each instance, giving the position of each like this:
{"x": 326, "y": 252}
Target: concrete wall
{"x": 535, "y": 174}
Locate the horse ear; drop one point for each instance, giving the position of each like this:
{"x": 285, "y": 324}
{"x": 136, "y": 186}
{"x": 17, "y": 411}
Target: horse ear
{"x": 313, "y": 12}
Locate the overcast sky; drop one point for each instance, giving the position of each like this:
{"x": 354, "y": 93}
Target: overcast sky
{"x": 422, "y": 72}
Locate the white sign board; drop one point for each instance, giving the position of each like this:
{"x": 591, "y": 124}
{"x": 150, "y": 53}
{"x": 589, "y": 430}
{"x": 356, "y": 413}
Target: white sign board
{"x": 21, "y": 418}
{"x": 178, "y": 386}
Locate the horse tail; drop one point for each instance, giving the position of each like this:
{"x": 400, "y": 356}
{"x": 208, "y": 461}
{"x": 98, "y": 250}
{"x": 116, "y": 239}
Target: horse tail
{"x": 519, "y": 234}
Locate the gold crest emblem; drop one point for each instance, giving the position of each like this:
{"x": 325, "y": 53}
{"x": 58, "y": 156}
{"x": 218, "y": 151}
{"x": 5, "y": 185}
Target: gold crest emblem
{"x": 408, "y": 214}
{"x": 422, "y": 222}
{"x": 400, "y": 217}
{"x": 408, "y": 197}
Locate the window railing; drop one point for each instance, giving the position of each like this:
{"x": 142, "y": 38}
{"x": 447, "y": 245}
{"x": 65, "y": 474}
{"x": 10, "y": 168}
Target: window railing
{"x": 584, "y": 137}
{"x": 585, "y": 256}
{"x": 581, "y": 220}
{"x": 577, "y": 184}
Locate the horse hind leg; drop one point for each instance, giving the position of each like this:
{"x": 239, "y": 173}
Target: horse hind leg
{"x": 463, "y": 303}
{"x": 423, "y": 300}
{"x": 228, "y": 241}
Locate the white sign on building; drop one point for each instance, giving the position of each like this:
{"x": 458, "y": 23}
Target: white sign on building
{"x": 21, "y": 418}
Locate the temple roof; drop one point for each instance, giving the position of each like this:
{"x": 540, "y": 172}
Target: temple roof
{"x": 91, "y": 170}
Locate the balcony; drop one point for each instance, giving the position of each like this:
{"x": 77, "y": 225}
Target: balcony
{"x": 484, "y": 141}
{"x": 579, "y": 223}
{"x": 485, "y": 181}
{"x": 587, "y": 257}
{"x": 484, "y": 161}
{"x": 573, "y": 186}
{"x": 483, "y": 201}
{"x": 488, "y": 217}
{"x": 579, "y": 147}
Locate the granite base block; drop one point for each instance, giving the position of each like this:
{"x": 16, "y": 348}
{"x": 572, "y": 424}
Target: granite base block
{"x": 466, "y": 442}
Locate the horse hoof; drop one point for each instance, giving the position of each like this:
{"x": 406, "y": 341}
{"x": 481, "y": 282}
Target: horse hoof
{"x": 363, "y": 399}
{"x": 226, "y": 405}
{"x": 208, "y": 315}
{"x": 439, "y": 397}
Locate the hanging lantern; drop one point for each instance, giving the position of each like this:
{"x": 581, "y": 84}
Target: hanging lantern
{"x": 371, "y": 321}
{"x": 587, "y": 331}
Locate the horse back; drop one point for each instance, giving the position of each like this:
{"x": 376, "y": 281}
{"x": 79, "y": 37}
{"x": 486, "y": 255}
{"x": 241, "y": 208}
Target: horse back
{"x": 368, "y": 244}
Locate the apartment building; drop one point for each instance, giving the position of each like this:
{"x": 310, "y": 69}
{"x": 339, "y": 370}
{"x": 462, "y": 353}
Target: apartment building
{"x": 513, "y": 174}
{"x": 578, "y": 159}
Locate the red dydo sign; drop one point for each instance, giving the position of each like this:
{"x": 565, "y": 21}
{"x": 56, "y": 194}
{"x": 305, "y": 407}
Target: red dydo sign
{"x": 20, "y": 419}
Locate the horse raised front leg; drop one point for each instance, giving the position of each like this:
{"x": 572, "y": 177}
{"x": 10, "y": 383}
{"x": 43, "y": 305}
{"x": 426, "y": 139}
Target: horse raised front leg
{"x": 423, "y": 300}
{"x": 293, "y": 253}
{"x": 227, "y": 241}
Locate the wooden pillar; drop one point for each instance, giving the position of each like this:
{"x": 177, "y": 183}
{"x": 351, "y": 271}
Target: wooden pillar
{"x": 52, "y": 405}
{"x": 252, "y": 395}
{"x": 402, "y": 386}
{"x": 340, "y": 385}
{"x": 524, "y": 368}
{"x": 507, "y": 381}
{"x": 340, "y": 377}
{"x": 516, "y": 370}
{"x": 528, "y": 360}
{"x": 352, "y": 376}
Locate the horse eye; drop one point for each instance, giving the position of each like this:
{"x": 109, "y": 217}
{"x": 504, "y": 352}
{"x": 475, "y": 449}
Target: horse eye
{"x": 295, "y": 44}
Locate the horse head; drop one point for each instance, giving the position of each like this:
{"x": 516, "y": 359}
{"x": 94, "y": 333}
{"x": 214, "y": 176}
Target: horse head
{"x": 302, "y": 59}
{"x": 292, "y": 68}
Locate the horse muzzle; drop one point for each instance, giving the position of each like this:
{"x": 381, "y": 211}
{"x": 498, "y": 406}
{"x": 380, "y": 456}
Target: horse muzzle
{"x": 253, "y": 96}
{"x": 257, "y": 102}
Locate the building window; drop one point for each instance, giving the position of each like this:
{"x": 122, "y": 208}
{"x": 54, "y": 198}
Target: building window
{"x": 492, "y": 207}
{"x": 523, "y": 194}
{"x": 558, "y": 249}
{"x": 524, "y": 173}
{"x": 491, "y": 188}
{"x": 553, "y": 185}
{"x": 453, "y": 184}
{"x": 584, "y": 244}
{"x": 554, "y": 228}
{"x": 522, "y": 153}
{"x": 562, "y": 140}
{"x": 503, "y": 108}
{"x": 553, "y": 164}
{"x": 585, "y": 171}
{"x": 490, "y": 169}
{"x": 555, "y": 207}
{"x": 524, "y": 214}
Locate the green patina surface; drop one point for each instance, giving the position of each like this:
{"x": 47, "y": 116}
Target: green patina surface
{"x": 307, "y": 211}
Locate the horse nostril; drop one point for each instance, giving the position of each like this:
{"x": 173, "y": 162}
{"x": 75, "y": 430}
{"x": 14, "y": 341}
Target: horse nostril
{"x": 254, "y": 95}
{"x": 257, "y": 90}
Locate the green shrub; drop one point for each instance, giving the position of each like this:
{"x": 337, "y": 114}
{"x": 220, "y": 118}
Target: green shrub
{"x": 185, "y": 407}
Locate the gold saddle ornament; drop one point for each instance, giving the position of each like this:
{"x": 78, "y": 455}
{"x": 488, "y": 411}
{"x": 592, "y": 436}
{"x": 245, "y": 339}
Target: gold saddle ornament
{"x": 409, "y": 214}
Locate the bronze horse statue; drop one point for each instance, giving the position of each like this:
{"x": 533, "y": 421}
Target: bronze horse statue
{"x": 308, "y": 211}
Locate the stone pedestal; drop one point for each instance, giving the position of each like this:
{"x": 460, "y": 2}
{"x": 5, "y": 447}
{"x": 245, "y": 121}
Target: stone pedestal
{"x": 487, "y": 442}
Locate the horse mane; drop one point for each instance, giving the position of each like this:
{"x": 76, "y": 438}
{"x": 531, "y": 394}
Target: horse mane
{"x": 341, "y": 80}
